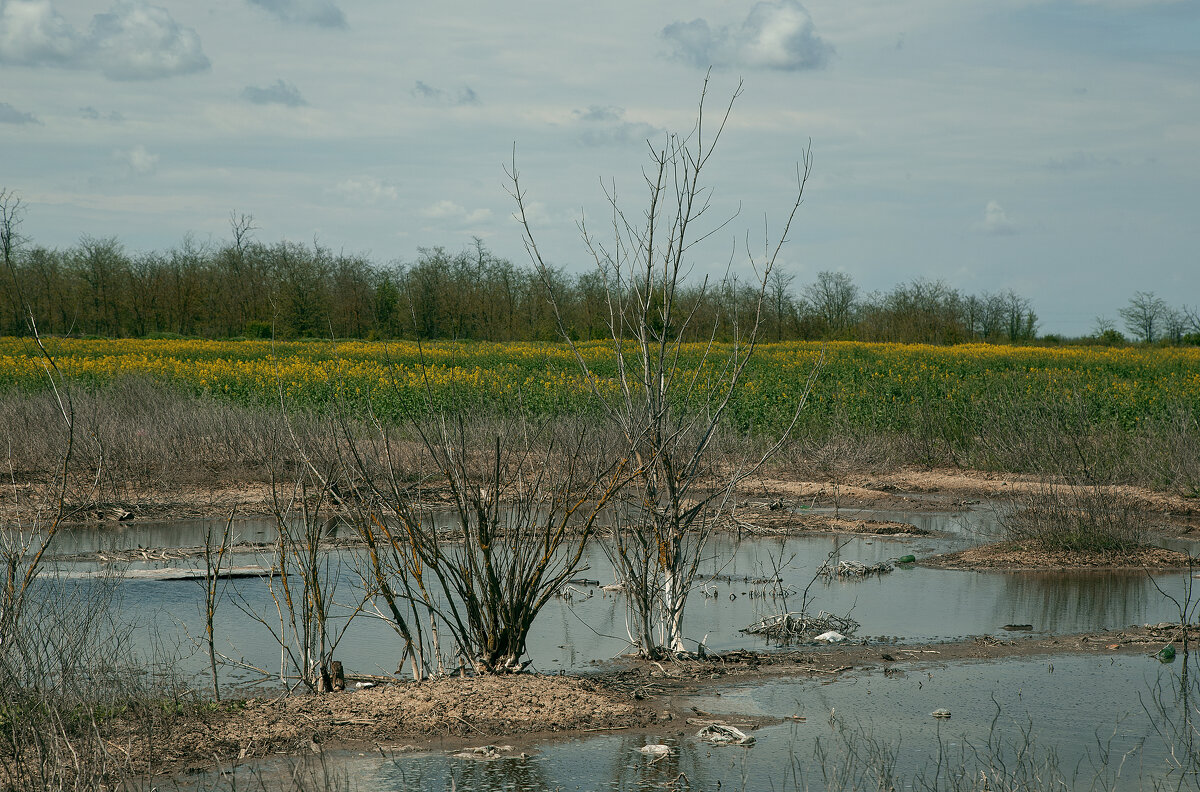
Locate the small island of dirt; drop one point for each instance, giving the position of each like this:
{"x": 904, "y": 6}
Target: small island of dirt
{"x": 1019, "y": 556}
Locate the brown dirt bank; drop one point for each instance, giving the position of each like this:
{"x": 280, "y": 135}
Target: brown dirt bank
{"x": 1032, "y": 555}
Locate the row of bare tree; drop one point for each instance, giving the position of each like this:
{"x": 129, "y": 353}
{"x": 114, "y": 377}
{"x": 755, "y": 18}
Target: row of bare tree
{"x": 288, "y": 290}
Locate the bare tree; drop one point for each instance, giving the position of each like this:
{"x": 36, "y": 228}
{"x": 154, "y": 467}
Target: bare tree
{"x": 10, "y": 220}
{"x": 668, "y": 400}
{"x": 782, "y": 304}
{"x": 1144, "y": 315}
{"x": 832, "y": 297}
{"x": 1174, "y": 325}
{"x": 1191, "y": 317}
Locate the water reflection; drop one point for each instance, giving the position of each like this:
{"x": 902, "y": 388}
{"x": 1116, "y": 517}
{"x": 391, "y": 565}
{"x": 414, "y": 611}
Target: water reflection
{"x": 588, "y": 624}
{"x": 1100, "y": 600}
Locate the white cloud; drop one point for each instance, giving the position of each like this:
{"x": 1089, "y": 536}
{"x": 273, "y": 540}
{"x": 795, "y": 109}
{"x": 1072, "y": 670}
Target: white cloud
{"x": 776, "y": 34}
{"x": 32, "y": 33}
{"x": 451, "y": 211}
{"x": 366, "y": 190}
{"x": 138, "y": 41}
{"x": 139, "y": 161}
{"x": 996, "y": 220}
{"x": 132, "y": 41}
{"x": 443, "y": 209}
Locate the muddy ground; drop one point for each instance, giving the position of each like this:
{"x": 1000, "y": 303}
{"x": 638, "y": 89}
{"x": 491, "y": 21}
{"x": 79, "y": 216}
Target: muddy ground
{"x": 631, "y": 695}
{"x": 906, "y": 489}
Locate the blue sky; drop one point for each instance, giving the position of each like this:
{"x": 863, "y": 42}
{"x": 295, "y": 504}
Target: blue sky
{"x": 1048, "y": 147}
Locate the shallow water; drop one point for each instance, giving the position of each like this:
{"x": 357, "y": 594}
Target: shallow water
{"x": 588, "y": 625}
{"x": 1093, "y": 714}
{"x": 1101, "y": 722}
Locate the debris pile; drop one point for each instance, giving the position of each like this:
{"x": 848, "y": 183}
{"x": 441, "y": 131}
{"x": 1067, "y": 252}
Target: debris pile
{"x": 795, "y": 627}
{"x": 843, "y": 570}
{"x": 720, "y": 734}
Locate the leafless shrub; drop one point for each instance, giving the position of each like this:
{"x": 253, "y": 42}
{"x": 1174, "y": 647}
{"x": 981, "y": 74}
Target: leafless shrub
{"x": 308, "y": 623}
{"x": 134, "y": 434}
{"x": 523, "y": 503}
{"x": 1077, "y": 517}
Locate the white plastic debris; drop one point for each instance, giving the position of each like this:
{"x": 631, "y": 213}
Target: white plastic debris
{"x": 719, "y": 734}
{"x": 941, "y": 713}
{"x": 656, "y": 749}
{"x": 833, "y": 636}
{"x": 364, "y": 685}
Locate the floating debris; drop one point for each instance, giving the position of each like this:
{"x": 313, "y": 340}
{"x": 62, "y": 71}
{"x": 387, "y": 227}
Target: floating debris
{"x": 941, "y": 713}
{"x": 1017, "y": 627}
{"x": 792, "y": 627}
{"x": 656, "y": 750}
{"x": 720, "y": 734}
{"x": 170, "y": 573}
{"x": 1166, "y": 654}
{"x": 483, "y": 752}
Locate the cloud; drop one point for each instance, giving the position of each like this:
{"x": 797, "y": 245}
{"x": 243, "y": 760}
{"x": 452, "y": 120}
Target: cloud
{"x": 464, "y": 96}
{"x": 776, "y": 34}
{"x": 132, "y": 41}
{"x": 279, "y": 92}
{"x": 139, "y": 161}
{"x": 138, "y": 41}
{"x": 321, "y": 13}
{"x": 33, "y": 34}
{"x": 996, "y": 221}
{"x": 11, "y": 115}
{"x": 449, "y": 210}
{"x": 606, "y": 125}
{"x": 366, "y": 191}
{"x": 92, "y": 114}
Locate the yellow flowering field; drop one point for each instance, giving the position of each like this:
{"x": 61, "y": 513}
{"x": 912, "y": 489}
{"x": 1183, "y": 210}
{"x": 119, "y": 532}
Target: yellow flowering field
{"x": 875, "y": 386}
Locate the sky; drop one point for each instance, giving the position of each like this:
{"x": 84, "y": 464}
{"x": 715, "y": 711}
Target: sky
{"x": 1051, "y": 147}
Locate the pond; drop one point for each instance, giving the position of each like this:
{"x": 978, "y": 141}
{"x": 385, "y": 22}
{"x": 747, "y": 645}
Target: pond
{"x": 1099, "y": 722}
{"x": 587, "y": 624}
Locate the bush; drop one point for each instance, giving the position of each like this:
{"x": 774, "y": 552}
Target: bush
{"x": 1079, "y": 518}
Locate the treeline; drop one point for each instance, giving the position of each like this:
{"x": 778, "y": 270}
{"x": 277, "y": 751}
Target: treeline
{"x": 289, "y": 290}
